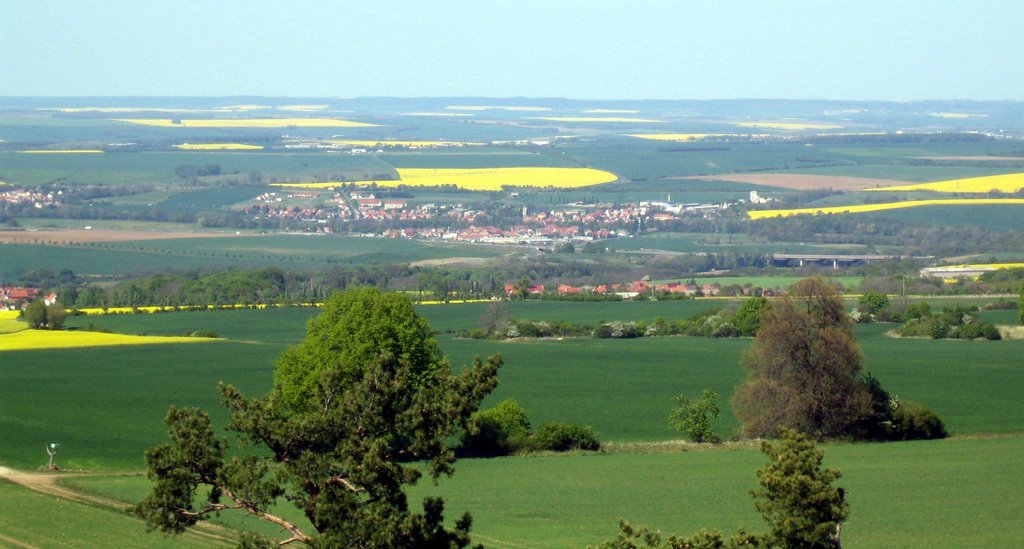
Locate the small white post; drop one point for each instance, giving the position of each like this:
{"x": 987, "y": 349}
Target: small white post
{"x": 51, "y": 450}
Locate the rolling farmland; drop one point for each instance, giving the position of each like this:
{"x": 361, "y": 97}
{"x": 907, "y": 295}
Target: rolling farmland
{"x": 152, "y": 184}
{"x": 624, "y": 388}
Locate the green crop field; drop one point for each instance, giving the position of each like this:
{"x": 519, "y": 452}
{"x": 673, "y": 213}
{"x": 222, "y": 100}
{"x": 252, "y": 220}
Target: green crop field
{"x": 776, "y": 282}
{"x": 622, "y": 387}
{"x": 720, "y": 243}
{"x": 297, "y": 251}
{"x": 915, "y": 173}
{"x": 37, "y": 223}
{"x": 158, "y": 167}
{"x": 900, "y": 494}
{"x": 994, "y": 217}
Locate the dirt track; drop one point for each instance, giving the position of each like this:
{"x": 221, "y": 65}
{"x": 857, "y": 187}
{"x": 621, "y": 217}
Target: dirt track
{"x": 46, "y": 483}
{"x": 80, "y": 236}
{"x": 801, "y": 182}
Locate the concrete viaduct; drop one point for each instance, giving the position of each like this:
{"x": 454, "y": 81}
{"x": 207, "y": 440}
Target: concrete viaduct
{"x": 825, "y": 259}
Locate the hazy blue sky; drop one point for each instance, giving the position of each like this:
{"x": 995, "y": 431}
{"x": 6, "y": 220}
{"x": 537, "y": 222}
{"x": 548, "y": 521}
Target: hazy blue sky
{"x": 676, "y": 49}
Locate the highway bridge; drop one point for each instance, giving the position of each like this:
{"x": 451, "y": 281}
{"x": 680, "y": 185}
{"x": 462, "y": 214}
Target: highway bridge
{"x": 825, "y": 259}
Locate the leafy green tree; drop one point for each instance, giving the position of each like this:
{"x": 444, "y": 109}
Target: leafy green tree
{"x": 918, "y": 310}
{"x": 1020, "y": 305}
{"x": 358, "y": 411}
{"x": 55, "y": 315}
{"x": 873, "y": 303}
{"x": 748, "y": 319}
{"x": 795, "y": 497}
{"x": 35, "y": 314}
{"x": 521, "y": 288}
{"x": 802, "y": 371}
{"x": 694, "y": 416}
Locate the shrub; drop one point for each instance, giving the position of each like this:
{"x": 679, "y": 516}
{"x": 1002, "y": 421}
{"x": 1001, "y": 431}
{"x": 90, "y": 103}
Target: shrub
{"x": 497, "y": 431}
{"x": 560, "y": 437}
{"x": 618, "y": 330}
{"x": 725, "y": 329}
{"x": 999, "y": 305}
{"x": 918, "y": 310}
{"x": 914, "y": 421}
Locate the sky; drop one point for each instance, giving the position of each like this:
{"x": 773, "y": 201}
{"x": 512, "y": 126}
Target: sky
{"x": 641, "y": 49}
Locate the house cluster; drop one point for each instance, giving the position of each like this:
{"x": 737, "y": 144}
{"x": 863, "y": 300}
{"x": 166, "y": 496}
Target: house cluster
{"x": 35, "y": 199}
{"x": 17, "y": 297}
{"x": 626, "y": 291}
{"x": 578, "y": 221}
{"x": 317, "y": 215}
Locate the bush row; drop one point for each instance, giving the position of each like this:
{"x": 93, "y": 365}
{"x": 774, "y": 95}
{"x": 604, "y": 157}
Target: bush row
{"x": 505, "y": 429}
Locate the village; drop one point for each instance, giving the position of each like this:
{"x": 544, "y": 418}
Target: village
{"x": 401, "y": 218}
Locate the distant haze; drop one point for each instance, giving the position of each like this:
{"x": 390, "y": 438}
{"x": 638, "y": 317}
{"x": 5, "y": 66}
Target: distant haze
{"x": 653, "y": 49}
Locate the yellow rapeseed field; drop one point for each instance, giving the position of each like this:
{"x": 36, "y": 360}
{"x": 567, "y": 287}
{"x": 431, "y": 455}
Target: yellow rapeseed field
{"x": 453, "y": 302}
{"x": 372, "y": 143}
{"x": 861, "y": 208}
{"x": 59, "y": 339}
{"x": 90, "y": 311}
{"x": 247, "y": 122}
{"x": 496, "y": 108}
{"x": 996, "y": 266}
{"x": 788, "y": 125}
{"x": 61, "y": 151}
{"x": 484, "y": 179}
{"x": 979, "y": 266}
{"x": 1009, "y": 183}
{"x": 621, "y": 119}
{"x": 218, "y": 147}
{"x": 687, "y": 136}
{"x": 302, "y": 108}
{"x": 437, "y": 114}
